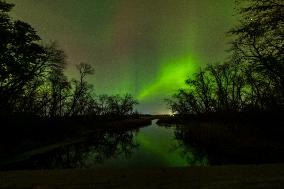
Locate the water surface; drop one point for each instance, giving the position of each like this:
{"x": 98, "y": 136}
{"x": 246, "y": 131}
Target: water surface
{"x": 150, "y": 146}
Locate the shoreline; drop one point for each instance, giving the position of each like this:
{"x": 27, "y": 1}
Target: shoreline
{"x": 242, "y": 176}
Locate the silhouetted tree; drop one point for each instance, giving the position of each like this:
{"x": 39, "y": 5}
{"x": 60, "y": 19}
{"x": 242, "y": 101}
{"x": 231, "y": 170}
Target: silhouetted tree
{"x": 100, "y": 106}
{"x": 202, "y": 89}
{"x": 121, "y": 105}
{"x": 21, "y": 58}
{"x": 59, "y": 85}
{"x": 252, "y": 80}
{"x": 184, "y": 102}
{"x": 81, "y": 95}
{"x": 25, "y": 66}
{"x": 115, "y": 105}
{"x": 260, "y": 40}
{"x": 32, "y": 79}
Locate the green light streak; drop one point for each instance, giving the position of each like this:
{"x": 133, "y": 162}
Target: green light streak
{"x": 171, "y": 77}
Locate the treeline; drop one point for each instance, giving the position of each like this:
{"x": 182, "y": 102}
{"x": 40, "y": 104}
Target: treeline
{"x": 32, "y": 80}
{"x": 253, "y": 78}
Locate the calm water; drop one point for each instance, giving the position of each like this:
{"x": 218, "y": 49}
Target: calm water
{"x": 146, "y": 147}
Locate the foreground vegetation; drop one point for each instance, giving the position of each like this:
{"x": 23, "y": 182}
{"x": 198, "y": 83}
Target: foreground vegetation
{"x": 213, "y": 177}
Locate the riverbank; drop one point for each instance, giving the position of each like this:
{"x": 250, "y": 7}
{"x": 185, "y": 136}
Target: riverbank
{"x": 232, "y": 139}
{"x": 253, "y": 118}
{"x": 216, "y": 177}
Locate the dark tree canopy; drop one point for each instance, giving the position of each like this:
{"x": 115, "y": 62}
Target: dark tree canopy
{"x": 32, "y": 79}
{"x": 253, "y": 79}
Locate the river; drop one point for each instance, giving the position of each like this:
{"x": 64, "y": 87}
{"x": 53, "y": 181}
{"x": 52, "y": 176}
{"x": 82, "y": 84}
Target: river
{"x": 150, "y": 146}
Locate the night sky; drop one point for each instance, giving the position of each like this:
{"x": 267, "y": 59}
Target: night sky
{"x": 143, "y": 47}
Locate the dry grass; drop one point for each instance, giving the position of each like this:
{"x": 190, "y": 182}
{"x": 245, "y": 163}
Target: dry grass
{"x": 215, "y": 177}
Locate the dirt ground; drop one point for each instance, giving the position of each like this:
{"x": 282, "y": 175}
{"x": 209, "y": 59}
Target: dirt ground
{"x": 244, "y": 177}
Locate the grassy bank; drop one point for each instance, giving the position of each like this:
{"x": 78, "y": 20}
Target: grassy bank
{"x": 215, "y": 177}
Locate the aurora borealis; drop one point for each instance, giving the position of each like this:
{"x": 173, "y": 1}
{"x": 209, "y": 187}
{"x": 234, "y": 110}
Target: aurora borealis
{"x": 143, "y": 47}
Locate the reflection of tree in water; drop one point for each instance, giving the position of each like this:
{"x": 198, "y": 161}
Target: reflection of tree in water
{"x": 98, "y": 148}
{"x": 190, "y": 154}
{"x": 111, "y": 145}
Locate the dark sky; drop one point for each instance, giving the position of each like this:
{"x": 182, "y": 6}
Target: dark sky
{"x": 143, "y": 47}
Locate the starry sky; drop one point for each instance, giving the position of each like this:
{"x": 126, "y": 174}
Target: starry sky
{"x": 143, "y": 47}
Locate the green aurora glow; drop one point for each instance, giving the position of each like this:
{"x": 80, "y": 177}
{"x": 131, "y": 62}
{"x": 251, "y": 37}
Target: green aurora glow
{"x": 142, "y": 47}
{"x": 171, "y": 77}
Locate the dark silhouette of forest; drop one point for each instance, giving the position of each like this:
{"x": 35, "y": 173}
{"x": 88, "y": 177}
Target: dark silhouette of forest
{"x": 32, "y": 80}
{"x": 252, "y": 79}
